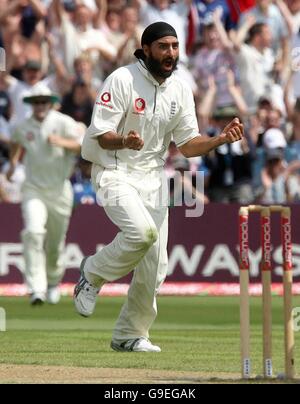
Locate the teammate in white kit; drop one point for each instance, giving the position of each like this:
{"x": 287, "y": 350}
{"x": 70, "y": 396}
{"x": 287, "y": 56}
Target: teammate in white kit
{"x": 50, "y": 140}
{"x": 139, "y": 110}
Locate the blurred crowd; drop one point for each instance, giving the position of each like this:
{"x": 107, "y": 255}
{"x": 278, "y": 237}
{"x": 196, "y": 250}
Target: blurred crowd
{"x": 241, "y": 58}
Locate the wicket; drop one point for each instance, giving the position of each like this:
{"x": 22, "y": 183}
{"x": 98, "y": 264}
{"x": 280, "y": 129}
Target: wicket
{"x": 266, "y": 270}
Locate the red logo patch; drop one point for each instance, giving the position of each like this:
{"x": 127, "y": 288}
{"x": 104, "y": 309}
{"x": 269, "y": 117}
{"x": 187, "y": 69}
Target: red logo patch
{"x": 30, "y": 136}
{"x": 140, "y": 105}
{"x": 106, "y": 98}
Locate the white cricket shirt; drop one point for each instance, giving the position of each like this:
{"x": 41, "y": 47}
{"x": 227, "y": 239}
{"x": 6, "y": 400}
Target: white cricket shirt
{"x": 131, "y": 99}
{"x": 47, "y": 167}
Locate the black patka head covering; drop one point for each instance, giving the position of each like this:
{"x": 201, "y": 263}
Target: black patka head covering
{"x": 154, "y": 32}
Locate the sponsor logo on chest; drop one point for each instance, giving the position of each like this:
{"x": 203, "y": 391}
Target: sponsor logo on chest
{"x": 139, "y": 106}
{"x": 30, "y": 136}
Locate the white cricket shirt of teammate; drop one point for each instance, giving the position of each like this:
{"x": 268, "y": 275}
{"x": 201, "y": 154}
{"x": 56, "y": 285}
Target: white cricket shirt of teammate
{"x": 131, "y": 99}
{"x": 47, "y": 166}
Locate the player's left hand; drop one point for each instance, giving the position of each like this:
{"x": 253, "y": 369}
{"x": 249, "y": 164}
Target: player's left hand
{"x": 233, "y": 132}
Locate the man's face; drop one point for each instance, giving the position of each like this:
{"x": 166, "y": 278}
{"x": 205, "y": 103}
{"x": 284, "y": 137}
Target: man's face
{"x": 83, "y": 67}
{"x": 274, "y": 119}
{"x": 83, "y": 16}
{"x": 32, "y": 76}
{"x": 294, "y": 5}
{"x": 41, "y": 108}
{"x": 266, "y": 37}
{"x": 211, "y": 38}
{"x": 113, "y": 21}
{"x": 162, "y": 56}
{"x": 130, "y": 19}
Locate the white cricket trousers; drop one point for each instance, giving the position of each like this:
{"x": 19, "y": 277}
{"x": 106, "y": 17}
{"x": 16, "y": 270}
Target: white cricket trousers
{"x": 141, "y": 244}
{"x": 46, "y": 216}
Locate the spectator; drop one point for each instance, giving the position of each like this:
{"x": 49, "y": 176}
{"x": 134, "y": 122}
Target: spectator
{"x": 10, "y": 191}
{"x": 117, "y": 5}
{"x": 5, "y": 113}
{"x": 32, "y": 75}
{"x": 32, "y": 13}
{"x": 84, "y": 193}
{"x": 208, "y": 104}
{"x": 61, "y": 81}
{"x": 294, "y": 182}
{"x": 71, "y": 46}
{"x": 79, "y": 103}
{"x": 112, "y": 28}
{"x": 229, "y": 166}
{"x": 4, "y": 198}
{"x": 256, "y": 60}
{"x": 83, "y": 67}
{"x": 266, "y": 12}
{"x": 274, "y": 139}
{"x": 273, "y": 179}
{"x": 79, "y": 35}
{"x": 182, "y": 187}
{"x": 175, "y": 14}
{"x": 267, "y": 116}
{"x": 294, "y": 117}
{"x": 213, "y": 61}
{"x": 293, "y": 83}
{"x": 287, "y": 16}
{"x": 26, "y": 15}
{"x": 4, "y": 141}
{"x": 22, "y": 28}
{"x": 206, "y": 9}
{"x": 294, "y": 6}
{"x": 130, "y": 39}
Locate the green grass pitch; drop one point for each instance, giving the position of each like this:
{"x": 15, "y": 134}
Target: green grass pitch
{"x": 196, "y": 334}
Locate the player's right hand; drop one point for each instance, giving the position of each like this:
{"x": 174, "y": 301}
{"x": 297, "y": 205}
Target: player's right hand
{"x": 133, "y": 141}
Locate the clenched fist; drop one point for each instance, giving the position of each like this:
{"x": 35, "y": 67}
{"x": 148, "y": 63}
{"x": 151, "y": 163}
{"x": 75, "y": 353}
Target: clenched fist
{"x": 133, "y": 141}
{"x": 233, "y": 132}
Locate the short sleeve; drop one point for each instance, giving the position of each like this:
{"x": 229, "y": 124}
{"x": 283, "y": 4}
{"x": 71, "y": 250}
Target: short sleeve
{"x": 110, "y": 107}
{"x": 187, "y": 128}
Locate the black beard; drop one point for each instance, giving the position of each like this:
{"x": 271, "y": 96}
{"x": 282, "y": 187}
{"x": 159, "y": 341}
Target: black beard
{"x": 155, "y": 67}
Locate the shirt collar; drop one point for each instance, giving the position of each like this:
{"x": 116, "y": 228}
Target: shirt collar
{"x": 40, "y": 123}
{"x": 145, "y": 72}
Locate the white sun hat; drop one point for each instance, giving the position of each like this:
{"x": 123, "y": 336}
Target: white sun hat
{"x": 274, "y": 139}
{"x": 41, "y": 91}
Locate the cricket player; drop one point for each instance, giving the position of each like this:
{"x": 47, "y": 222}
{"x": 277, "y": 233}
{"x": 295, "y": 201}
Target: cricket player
{"x": 51, "y": 140}
{"x": 139, "y": 110}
